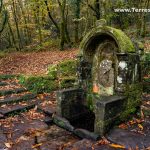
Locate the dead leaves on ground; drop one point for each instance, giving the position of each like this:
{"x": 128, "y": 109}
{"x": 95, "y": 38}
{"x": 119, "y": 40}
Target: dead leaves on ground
{"x": 135, "y": 122}
{"x": 34, "y": 63}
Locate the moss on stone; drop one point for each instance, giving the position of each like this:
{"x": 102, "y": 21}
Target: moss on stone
{"x": 67, "y": 82}
{"x": 7, "y": 76}
{"x": 123, "y": 41}
{"x": 133, "y": 94}
{"x": 64, "y": 73}
{"x": 67, "y": 68}
{"x": 52, "y": 71}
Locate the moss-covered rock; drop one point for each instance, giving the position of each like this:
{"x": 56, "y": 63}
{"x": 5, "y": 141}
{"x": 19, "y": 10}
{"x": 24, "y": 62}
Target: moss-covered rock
{"x": 52, "y": 71}
{"x": 124, "y": 43}
{"x": 67, "y": 82}
{"x": 133, "y": 94}
{"x": 39, "y": 84}
{"x": 64, "y": 73}
{"x": 67, "y": 68}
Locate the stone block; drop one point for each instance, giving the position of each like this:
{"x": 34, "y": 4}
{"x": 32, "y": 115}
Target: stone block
{"x": 63, "y": 123}
{"x": 82, "y": 133}
{"x": 107, "y": 109}
{"x": 70, "y": 103}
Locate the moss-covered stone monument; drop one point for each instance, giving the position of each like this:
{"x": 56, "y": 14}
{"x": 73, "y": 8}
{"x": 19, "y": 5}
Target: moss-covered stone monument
{"x": 109, "y": 79}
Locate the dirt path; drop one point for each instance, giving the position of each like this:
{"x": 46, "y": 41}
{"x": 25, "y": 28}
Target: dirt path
{"x": 34, "y": 63}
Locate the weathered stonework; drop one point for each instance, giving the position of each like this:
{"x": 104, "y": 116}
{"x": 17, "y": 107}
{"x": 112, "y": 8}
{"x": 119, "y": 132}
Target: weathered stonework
{"x": 109, "y": 74}
{"x": 70, "y": 103}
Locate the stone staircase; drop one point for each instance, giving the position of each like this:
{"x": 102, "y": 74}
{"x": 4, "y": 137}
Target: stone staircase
{"x": 14, "y": 98}
{"x": 28, "y": 122}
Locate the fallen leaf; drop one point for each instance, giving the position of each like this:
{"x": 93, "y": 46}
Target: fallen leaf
{"x": 123, "y": 126}
{"x": 140, "y": 126}
{"x": 36, "y": 145}
{"x": 8, "y": 145}
{"x": 117, "y": 146}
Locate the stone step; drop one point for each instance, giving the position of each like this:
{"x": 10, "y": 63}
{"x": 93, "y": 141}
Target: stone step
{"x": 12, "y": 109}
{"x": 3, "y": 83}
{"x": 7, "y": 76}
{"x": 50, "y": 110}
{"x": 146, "y": 109}
{"x": 1, "y": 116}
{"x": 16, "y": 99}
{"x": 128, "y": 139}
{"x": 12, "y": 91}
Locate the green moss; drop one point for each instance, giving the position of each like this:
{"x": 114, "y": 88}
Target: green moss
{"x": 123, "y": 41}
{"x": 67, "y": 82}
{"x": 7, "y": 76}
{"x": 90, "y": 104}
{"x": 52, "y": 71}
{"x": 64, "y": 73}
{"x": 38, "y": 84}
{"x": 67, "y": 68}
{"x": 133, "y": 94}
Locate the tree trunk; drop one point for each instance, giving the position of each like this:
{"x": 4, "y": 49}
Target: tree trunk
{"x": 51, "y": 18}
{"x": 16, "y": 23}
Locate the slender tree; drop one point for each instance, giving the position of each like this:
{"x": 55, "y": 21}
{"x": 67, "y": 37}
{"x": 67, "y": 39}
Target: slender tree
{"x": 4, "y": 16}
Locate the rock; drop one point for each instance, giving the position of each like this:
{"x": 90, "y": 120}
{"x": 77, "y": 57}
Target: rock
{"x": 3, "y": 140}
{"x": 107, "y": 110}
{"x": 63, "y": 123}
{"x": 17, "y": 99}
{"x": 12, "y": 91}
{"x": 86, "y": 134}
{"x": 24, "y": 145}
{"x": 84, "y": 144}
{"x": 48, "y": 110}
{"x": 48, "y": 120}
{"x": 24, "y": 128}
{"x": 129, "y": 139}
{"x": 1, "y": 116}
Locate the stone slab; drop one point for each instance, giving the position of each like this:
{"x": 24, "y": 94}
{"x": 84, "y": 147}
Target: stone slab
{"x": 107, "y": 109}
{"x": 82, "y": 133}
{"x": 63, "y": 123}
{"x": 48, "y": 120}
{"x": 3, "y": 140}
{"x": 3, "y": 83}
{"x": 129, "y": 139}
{"x": 17, "y": 108}
{"x": 17, "y": 99}
{"x": 70, "y": 103}
{"x": 12, "y": 91}
{"x": 47, "y": 110}
{"x": 84, "y": 144}
{"x": 1, "y": 116}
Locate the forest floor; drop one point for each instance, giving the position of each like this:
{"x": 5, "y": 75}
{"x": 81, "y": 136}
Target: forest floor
{"x": 35, "y": 130}
{"x": 33, "y": 63}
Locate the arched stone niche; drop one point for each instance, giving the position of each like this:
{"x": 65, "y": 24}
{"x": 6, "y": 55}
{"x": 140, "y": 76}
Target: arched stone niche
{"x": 100, "y": 49}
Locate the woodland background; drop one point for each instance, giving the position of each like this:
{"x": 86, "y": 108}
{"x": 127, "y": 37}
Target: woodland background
{"x": 47, "y": 24}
